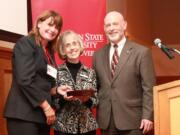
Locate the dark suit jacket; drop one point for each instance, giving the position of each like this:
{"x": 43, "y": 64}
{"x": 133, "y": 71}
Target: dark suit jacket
{"x": 30, "y": 84}
{"x": 129, "y": 93}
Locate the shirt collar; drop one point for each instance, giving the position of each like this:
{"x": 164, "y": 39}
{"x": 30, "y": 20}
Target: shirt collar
{"x": 120, "y": 43}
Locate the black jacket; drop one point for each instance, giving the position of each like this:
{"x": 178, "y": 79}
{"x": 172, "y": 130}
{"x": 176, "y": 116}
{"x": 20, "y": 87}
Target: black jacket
{"x": 30, "y": 85}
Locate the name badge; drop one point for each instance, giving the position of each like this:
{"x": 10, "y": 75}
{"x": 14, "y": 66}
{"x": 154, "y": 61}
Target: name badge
{"x": 51, "y": 71}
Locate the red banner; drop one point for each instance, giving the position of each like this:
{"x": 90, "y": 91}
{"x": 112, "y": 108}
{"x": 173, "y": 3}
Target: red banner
{"x": 83, "y": 16}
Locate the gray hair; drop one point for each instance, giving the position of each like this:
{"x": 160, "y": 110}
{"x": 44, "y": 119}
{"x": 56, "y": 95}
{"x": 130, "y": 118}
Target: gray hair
{"x": 60, "y": 42}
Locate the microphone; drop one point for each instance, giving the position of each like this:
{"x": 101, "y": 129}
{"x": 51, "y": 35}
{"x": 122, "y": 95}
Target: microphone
{"x": 165, "y": 49}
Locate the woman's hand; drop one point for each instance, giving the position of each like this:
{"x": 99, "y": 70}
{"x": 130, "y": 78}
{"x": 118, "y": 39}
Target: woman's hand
{"x": 63, "y": 89}
{"x": 50, "y": 115}
{"x": 49, "y": 112}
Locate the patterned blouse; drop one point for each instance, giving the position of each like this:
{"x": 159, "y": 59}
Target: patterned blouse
{"x": 74, "y": 116}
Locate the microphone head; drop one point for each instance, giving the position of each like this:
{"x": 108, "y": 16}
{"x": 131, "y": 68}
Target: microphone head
{"x": 157, "y": 41}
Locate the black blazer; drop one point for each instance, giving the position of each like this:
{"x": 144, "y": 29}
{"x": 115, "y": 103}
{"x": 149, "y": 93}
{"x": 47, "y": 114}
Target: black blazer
{"x": 30, "y": 85}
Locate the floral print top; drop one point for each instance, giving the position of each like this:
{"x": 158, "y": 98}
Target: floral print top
{"x": 74, "y": 116}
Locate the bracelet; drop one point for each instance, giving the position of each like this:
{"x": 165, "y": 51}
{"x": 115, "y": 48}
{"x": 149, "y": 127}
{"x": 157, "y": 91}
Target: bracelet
{"x": 47, "y": 108}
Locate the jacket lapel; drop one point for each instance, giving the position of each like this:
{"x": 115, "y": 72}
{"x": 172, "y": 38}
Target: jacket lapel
{"x": 106, "y": 61}
{"x": 125, "y": 54}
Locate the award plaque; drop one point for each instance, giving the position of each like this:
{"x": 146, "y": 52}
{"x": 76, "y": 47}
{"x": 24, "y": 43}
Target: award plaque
{"x": 80, "y": 93}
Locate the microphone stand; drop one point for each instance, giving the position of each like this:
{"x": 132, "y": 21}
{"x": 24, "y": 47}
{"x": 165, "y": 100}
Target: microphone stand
{"x": 174, "y": 50}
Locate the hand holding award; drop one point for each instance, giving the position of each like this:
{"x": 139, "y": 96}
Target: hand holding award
{"x": 83, "y": 95}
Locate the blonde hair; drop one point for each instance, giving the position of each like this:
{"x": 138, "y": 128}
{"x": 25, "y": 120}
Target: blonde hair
{"x": 60, "y": 43}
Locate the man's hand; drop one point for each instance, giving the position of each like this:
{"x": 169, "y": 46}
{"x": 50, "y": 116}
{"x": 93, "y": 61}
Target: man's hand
{"x": 146, "y": 125}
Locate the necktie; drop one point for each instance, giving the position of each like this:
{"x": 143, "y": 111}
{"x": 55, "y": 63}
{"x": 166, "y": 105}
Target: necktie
{"x": 114, "y": 61}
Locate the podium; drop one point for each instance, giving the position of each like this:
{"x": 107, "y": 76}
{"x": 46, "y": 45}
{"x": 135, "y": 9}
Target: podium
{"x": 167, "y": 108}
